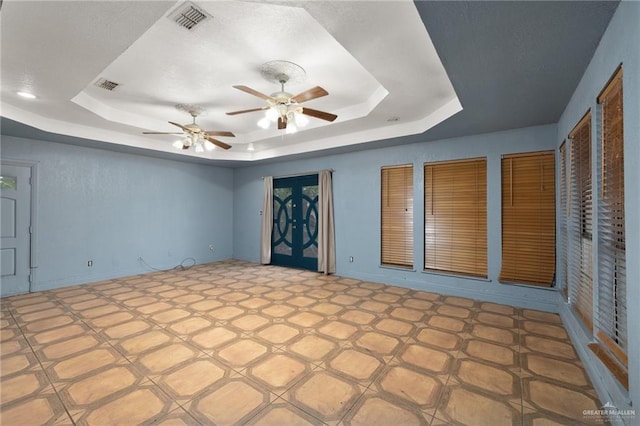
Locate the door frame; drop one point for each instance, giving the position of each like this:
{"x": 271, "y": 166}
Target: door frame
{"x": 33, "y": 223}
{"x": 300, "y": 263}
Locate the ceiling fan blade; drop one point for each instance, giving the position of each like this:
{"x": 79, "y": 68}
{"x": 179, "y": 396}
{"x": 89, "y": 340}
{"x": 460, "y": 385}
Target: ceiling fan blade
{"x": 282, "y": 123}
{"x": 220, "y": 133}
{"x": 319, "y": 114}
{"x": 161, "y": 133}
{"x": 246, "y": 110}
{"x": 186, "y": 129}
{"x": 307, "y": 95}
{"x": 218, "y": 143}
{"x": 253, "y": 92}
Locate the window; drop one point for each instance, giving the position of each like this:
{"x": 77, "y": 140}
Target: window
{"x": 562, "y": 232}
{"x": 611, "y": 320}
{"x": 8, "y": 182}
{"x": 397, "y": 216}
{"x": 455, "y": 217}
{"x": 528, "y": 219}
{"x": 580, "y": 222}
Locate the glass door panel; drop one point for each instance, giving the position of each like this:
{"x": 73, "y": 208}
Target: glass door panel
{"x": 283, "y": 221}
{"x": 310, "y": 221}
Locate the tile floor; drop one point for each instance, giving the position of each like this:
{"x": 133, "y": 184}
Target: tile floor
{"x": 237, "y": 343}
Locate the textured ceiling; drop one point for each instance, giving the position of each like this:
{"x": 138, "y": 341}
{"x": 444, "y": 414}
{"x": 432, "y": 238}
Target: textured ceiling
{"x": 386, "y": 83}
{"x": 512, "y": 64}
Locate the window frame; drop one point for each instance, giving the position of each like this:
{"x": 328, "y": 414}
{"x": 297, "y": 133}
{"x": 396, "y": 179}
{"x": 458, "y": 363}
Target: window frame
{"x": 458, "y": 260}
{"x": 610, "y": 320}
{"x": 563, "y": 241}
{"x": 528, "y": 257}
{"x": 581, "y": 283}
{"x": 390, "y": 257}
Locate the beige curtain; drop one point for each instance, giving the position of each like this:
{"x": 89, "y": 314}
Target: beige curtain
{"x": 326, "y": 231}
{"x": 267, "y": 221}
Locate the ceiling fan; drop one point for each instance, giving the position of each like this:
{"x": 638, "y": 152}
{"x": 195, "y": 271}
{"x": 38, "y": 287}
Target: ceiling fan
{"x": 195, "y": 135}
{"x": 283, "y": 106}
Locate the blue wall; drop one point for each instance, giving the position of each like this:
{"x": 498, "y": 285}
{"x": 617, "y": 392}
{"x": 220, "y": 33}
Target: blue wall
{"x": 357, "y": 211}
{"x": 357, "y": 189}
{"x": 620, "y": 44}
{"x": 112, "y": 208}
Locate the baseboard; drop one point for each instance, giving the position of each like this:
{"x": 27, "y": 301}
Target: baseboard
{"x": 541, "y": 299}
{"x": 75, "y": 280}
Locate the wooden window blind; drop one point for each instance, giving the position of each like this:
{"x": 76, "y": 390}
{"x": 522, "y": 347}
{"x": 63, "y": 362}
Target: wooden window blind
{"x": 580, "y": 223}
{"x": 562, "y": 231}
{"x": 455, "y": 224}
{"x": 397, "y": 216}
{"x": 611, "y": 320}
{"x": 528, "y": 219}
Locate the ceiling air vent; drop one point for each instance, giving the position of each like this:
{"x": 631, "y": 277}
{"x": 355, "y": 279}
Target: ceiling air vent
{"x": 188, "y": 15}
{"x": 103, "y": 83}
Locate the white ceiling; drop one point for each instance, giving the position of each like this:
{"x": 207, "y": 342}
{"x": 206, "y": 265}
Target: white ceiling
{"x": 375, "y": 59}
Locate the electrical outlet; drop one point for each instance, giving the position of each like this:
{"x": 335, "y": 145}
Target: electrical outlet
{"x": 212, "y": 248}
{"x": 350, "y": 259}
{"x": 90, "y": 263}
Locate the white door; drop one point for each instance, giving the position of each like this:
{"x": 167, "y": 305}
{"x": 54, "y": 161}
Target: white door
{"x": 15, "y": 215}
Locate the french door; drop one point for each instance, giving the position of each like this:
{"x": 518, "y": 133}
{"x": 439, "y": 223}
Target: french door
{"x": 294, "y": 241}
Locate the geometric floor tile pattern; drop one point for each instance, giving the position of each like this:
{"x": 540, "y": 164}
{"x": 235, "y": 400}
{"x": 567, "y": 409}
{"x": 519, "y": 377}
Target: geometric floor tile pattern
{"x": 234, "y": 343}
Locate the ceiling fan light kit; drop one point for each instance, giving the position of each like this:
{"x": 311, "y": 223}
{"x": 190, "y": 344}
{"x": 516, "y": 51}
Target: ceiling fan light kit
{"x": 194, "y": 136}
{"x": 282, "y": 107}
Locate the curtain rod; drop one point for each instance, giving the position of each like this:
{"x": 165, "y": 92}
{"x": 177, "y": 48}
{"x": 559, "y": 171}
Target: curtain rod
{"x": 300, "y": 174}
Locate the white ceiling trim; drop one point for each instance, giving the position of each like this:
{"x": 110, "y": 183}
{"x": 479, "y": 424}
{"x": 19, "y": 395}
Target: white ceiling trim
{"x": 103, "y": 135}
{"x": 376, "y": 59}
{"x": 370, "y": 135}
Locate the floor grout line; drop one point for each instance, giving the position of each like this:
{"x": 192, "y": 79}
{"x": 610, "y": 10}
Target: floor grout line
{"x": 44, "y": 371}
{"x": 165, "y": 301}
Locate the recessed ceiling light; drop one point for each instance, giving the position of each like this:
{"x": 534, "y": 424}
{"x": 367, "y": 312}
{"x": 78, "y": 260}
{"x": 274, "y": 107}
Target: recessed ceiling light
{"x": 250, "y": 147}
{"x": 27, "y": 95}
